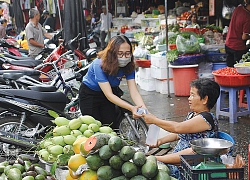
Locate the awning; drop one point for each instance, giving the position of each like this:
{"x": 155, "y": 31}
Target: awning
{"x": 7, "y": 1}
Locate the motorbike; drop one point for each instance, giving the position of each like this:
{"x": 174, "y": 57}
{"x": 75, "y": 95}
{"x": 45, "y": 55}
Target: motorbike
{"x": 94, "y": 37}
{"x": 25, "y": 119}
{"x": 29, "y": 63}
{"x": 11, "y": 46}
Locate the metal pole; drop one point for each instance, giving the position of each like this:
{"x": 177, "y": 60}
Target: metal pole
{"x": 59, "y": 14}
{"x": 166, "y": 17}
{"x": 115, "y": 8}
{"x": 107, "y": 10}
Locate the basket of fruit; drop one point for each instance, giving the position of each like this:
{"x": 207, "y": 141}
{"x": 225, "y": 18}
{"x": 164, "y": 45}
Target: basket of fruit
{"x": 230, "y": 77}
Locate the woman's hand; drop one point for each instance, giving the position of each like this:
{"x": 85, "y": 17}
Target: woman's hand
{"x": 158, "y": 143}
{"x": 149, "y": 118}
{"x": 134, "y": 112}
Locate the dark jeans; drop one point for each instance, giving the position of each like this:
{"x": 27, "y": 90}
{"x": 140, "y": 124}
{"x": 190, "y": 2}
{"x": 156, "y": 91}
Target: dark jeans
{"x": 233, "y": 56}
{"x": 96, "y": 104}
{"x": 103, "y": 35}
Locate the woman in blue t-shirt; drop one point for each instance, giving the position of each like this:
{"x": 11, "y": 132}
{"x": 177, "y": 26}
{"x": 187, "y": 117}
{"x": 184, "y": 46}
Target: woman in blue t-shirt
{"x": 99, "y": 92}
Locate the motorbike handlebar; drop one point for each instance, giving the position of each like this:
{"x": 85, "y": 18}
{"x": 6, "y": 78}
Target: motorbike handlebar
{"x": 54, "y": 62}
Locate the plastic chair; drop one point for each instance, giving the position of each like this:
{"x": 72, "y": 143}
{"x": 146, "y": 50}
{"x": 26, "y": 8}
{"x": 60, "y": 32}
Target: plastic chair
{"x": 223, "y": 135}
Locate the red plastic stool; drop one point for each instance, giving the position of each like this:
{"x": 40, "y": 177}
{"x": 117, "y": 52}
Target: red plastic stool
{"x": 249, "y": 161}
{"x": 242, "y": 103}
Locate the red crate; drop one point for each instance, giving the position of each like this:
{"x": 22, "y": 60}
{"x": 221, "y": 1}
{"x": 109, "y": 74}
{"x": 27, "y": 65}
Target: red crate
{"x": 143, "y": 63}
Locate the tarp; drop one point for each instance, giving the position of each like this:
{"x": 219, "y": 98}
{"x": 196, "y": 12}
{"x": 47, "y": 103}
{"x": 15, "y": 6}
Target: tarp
{"x": 18, "y": 15}
{"x": 7, "y": 1}
{"x": 74, "y": 22}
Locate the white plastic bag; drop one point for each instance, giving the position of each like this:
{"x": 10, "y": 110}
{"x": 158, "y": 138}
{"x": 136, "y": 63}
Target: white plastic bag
{"x": 187, "y": 46}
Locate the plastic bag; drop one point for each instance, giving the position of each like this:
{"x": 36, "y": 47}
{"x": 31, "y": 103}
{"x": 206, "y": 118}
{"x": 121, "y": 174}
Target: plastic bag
{"x": 230, "y": 162}
{"x": 187, "y": 46}
{"x": 140, "y": 52}
{"x": 227, "y": 12}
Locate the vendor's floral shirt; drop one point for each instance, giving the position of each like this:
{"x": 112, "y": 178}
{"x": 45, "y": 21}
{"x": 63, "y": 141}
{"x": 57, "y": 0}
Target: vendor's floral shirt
{"x": 184, "y": 140}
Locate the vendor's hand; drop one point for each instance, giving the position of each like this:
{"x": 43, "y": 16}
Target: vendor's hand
{"x": 149, "y": 118}
{"x": 158, "y": 143}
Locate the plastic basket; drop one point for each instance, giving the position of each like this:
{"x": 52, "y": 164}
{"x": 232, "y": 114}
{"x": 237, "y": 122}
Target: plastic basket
{"x": 189, "y": 170}
{"x": 188, "y": 60}
{"x": 215, "y": 57}
{"x": 242, "y": 69}
{"x": 232, "y": 80}
{"x": 143, "y": 63}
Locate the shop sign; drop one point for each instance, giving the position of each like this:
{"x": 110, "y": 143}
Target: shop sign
{"x": 211, "y": 7}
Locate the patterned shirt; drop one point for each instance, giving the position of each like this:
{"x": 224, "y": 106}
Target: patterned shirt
{"x": 184, "y": 140}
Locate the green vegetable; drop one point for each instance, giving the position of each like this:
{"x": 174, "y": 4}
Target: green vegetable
{"x": 172, "y": 55}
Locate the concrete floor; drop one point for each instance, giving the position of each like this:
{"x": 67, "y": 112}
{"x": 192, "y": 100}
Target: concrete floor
{"x": 176, "y": 108}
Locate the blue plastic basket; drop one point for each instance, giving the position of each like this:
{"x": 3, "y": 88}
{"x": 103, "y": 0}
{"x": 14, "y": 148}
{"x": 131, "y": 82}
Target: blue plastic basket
{"x": 215, "y": 57}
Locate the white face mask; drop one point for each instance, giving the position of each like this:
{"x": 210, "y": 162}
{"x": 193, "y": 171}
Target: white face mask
{"x": 124, "y": 61}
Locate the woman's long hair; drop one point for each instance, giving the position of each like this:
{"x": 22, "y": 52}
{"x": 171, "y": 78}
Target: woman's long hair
{"x": 109, "y": 56}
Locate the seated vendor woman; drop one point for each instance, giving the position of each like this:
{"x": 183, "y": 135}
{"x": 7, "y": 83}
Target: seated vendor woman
{"x": 193, "y": 18}
{"x": 199, "y": 123}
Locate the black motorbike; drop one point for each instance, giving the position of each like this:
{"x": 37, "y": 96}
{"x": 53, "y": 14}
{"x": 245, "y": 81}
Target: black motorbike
{"x": 25, "y": 117}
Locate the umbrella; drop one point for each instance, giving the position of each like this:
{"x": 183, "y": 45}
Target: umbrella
{"x": 74, "y": 22}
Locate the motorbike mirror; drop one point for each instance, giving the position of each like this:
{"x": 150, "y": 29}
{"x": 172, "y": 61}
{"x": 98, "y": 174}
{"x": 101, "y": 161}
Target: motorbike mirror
{"x": 47, "y": 27}
{"x": 38, "y": 57}
{"x": 69, "y": 64}
{"x": 51, "y": 46}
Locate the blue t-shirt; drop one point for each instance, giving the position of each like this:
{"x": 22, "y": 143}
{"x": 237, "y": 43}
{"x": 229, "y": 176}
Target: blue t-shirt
{"x": 95, "y": 74}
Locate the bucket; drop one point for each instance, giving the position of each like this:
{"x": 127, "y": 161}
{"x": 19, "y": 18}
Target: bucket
{"x": 219, "y": 65}
{"x": 183, "y": 75}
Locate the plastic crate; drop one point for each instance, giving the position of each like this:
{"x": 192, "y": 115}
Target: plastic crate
{"x": 143, "y": 63}
{"x": 232, "y": 80}
{"x": 215, "y": 57}
{"x": 189, "y": 171}
{"x": 241, "y": 69}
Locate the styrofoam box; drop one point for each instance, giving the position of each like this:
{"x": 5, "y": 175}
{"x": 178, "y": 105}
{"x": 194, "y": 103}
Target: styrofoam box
{"x": 158, "y": 73}
{"x": 161, "y": 86}
{"x": 147, "y": 84}
{"x": 145, "y": 73}
{"x": 158, "y": 60}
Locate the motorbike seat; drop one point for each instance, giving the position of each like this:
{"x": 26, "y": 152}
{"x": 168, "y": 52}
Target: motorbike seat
{"x": 54, "y": 97}
{"x": 43, "y": 88}
{"x": 12, "y": 76}
{"x": 27, "y": 63}
{"x": 17, "y": 57}
{"x": 24, "y": 72}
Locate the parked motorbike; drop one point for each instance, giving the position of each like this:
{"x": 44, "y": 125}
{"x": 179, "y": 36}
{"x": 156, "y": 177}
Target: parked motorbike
{"x": 94, "y": 37}
{"x": 25, "y": 117}
{"x": 29, "y": 63}
{"x": 10, "y": 46}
